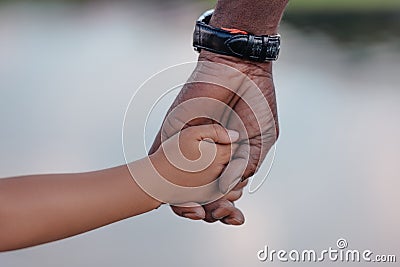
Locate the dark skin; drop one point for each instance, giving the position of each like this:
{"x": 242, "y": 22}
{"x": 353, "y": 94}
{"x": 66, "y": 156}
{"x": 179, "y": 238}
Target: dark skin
{"x": 256, "y": 17}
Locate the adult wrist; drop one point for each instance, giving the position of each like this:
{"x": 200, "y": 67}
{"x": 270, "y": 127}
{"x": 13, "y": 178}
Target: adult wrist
{"x": 250, "y": 68}
{"x": 256, "y": 17}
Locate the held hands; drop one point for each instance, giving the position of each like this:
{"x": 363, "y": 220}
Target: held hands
{"x": 196, "y": 156}
{"x": 247, "y": 91}
{"x": 188, "y": 164}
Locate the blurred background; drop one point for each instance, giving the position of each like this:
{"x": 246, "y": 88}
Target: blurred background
{"x": 69, "y": 68}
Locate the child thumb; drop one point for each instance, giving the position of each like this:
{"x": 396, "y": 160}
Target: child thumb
{"x": 217, "y": 134}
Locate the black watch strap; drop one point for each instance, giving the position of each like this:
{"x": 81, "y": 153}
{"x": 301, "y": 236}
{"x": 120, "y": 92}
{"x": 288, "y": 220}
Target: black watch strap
{"x": 247, "y": 46}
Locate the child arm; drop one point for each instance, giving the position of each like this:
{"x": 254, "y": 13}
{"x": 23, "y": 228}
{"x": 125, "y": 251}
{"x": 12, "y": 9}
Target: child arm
{"x": 43, "y": 208}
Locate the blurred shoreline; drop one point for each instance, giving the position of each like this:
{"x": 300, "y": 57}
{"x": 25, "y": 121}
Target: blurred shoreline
{"x": 349, "y": 26}
{"x": 69, "y": 68}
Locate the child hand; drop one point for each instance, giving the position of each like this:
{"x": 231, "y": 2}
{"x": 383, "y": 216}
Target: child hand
{"x": 186, "y": 166}
{"x": 196, "y": 156}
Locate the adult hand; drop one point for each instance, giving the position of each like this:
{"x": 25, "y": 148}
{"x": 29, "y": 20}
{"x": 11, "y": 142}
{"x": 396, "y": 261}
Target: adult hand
{"x": 248, "y": 102}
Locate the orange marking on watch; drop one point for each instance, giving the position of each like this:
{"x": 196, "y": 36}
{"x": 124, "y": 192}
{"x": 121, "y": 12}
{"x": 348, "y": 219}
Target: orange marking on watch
{"x": 234, "y": 31}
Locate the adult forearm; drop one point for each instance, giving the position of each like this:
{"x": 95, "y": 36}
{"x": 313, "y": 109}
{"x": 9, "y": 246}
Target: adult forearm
{"x": 255, "y": 16}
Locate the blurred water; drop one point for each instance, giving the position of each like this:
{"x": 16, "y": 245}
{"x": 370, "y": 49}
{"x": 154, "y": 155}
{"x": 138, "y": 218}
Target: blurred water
{"x": 67, "y": 74}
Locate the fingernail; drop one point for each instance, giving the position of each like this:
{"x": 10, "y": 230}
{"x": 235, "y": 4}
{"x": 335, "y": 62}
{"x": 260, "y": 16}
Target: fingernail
{"x": 236, "y": 221}
{"x": 214, "y": 216}
{"x": 233, "y": 135}
{"x": 192, "y": 215}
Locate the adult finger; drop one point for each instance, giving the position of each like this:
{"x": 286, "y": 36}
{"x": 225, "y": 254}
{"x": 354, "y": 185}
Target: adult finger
{"x": 227, "y": 213}
{"x": 232, "y": 175}
{"x": 190, "y": 210}
{"x": 236, "y": 217}
{"x": 234, "y": 195}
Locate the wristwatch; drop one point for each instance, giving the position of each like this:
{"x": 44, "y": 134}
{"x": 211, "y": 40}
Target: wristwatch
{"x": 234, "y": 42}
